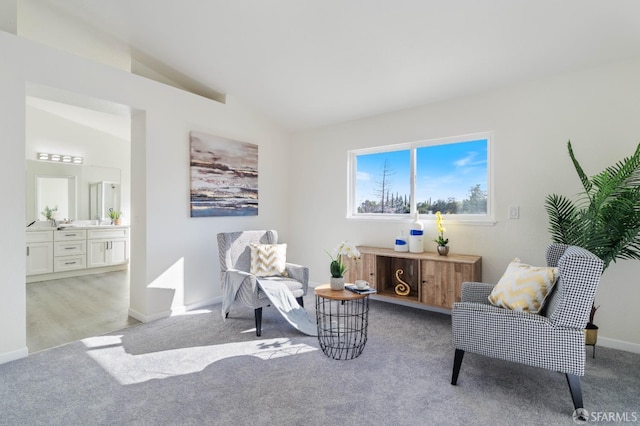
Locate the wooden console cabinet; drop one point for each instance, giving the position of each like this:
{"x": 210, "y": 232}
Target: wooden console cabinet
{"x": 425, "y": 279}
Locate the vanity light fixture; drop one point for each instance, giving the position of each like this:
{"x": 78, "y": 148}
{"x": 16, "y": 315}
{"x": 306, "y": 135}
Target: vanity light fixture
{"x": 71, "y": 159}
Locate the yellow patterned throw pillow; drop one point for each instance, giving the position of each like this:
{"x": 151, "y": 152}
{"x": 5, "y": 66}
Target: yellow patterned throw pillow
{"x": 523, "y": 287}
{"x": 268, "y": 260}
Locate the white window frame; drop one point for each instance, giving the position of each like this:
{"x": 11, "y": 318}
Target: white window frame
{"x": 479, "y": 219}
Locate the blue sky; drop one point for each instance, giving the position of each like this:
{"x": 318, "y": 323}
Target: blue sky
{"x": 443, "y": 171}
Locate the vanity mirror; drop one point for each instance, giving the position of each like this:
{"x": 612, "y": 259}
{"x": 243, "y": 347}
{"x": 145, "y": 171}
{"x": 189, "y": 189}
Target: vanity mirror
{"x": 103, "y": 196}
{"x": 59, "y": 193}
{"x": 46, "y": 182}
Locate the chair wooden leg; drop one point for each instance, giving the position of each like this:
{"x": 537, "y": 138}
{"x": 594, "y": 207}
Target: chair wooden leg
{"x": 457, "y": 362}
{"x": 258, "y": 314}
{"x": 300, "y": 301}
{"x": 576, "y": 390}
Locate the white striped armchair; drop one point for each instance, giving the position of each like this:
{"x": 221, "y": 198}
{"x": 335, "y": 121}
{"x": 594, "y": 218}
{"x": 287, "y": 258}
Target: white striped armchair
{"x": 552, "y": 339}
{"x": 235, "y": 267}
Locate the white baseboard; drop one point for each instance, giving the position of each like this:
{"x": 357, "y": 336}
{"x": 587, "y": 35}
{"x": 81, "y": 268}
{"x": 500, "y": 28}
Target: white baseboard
{"x": 175, "y": 310}
{"x": 198, "y": 305}
{"x": 148, "y": 318}
{"x": 14, "y": 355}
{"x": 618, "y": 344}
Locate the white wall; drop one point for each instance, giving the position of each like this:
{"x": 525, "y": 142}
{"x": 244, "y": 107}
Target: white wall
{"x": 597, "y": 109}
{"x": 174, "y": 257}
{"x": 12, "y": 190}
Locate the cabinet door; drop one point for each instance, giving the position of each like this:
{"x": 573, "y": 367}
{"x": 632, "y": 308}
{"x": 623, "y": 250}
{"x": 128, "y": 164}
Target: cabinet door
{"x": 97, "y": 253}
{"x": 353, "y": 271}
{"x": 438, "y": 287}
{"x": 465, "y": 272}
{"x": 39, "y": 258}
{"x": 368, "y": 269}
{"x": 118, "y": 252}
{"x": 442, "y": 282}
{"x": 363, "y": 270}
{"x": 106, "y": 252}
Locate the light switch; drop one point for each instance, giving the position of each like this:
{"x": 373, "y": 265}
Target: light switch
{"x": 514, "y": 212}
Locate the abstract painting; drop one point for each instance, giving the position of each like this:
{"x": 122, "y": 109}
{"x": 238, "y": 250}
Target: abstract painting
{"x": 224, "y": 176}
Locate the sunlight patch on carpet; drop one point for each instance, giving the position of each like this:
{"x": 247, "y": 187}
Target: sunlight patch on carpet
{"x": 128, "y": 369}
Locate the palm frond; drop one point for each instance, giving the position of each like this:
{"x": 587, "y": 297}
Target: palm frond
{"x": 606, "y": 218}
{"x": 622, "y": 177}
{"x": 562, "y": 215}
{"x": 581, "y": 174}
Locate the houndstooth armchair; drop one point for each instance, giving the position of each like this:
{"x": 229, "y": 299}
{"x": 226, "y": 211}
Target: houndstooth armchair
{"x": 553, "y": 339}
{"x": 235, "y": 266}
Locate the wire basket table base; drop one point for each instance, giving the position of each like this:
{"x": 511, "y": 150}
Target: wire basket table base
{"x": 342, "y": 326}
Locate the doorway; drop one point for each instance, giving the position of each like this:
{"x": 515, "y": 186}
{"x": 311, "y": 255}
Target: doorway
{"x": 69, "y": 308}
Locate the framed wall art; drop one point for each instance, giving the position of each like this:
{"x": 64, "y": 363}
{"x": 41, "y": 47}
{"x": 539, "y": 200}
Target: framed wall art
{"x": 224, "y": 176}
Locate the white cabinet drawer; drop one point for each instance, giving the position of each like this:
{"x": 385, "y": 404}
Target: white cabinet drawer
{"x": 69, "y": 235}
{"x": 68, "y": 248}
{"x": 39, "y": 236}
{"x": 69, "y": 263}
{"x": 108, "y": 233}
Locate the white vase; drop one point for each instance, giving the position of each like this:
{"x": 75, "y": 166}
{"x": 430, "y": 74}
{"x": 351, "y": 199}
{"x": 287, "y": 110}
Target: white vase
{"x": 416, "y": 243}
{"x": 337, "y": 283}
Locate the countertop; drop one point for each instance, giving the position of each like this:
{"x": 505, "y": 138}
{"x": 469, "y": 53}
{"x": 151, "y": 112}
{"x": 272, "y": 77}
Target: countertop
{"x": 79, "y": 227}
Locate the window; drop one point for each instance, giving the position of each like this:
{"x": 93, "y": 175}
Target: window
{"x": 450, "y": 176}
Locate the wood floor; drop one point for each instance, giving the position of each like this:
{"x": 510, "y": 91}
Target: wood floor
{"x": 65, "y": 310}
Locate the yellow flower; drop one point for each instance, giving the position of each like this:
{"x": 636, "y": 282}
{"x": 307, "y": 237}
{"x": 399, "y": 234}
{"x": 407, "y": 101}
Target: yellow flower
{"x": 441, "y": 240}
{"x": 439, "y": 223}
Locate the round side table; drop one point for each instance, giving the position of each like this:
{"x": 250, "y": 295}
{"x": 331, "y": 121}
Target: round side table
{"x": 342, "y": 317}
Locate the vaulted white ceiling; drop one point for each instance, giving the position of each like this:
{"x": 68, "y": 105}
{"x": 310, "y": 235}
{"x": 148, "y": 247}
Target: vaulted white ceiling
{"x": 308, "y": 63}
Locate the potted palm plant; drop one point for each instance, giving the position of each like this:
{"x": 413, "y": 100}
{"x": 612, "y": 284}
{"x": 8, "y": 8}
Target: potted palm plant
{"x": 606, "y": 218}
{"x": 115, "y": 216}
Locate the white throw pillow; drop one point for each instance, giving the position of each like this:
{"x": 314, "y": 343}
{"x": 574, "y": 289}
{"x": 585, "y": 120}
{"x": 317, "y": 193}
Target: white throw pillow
{"x": 268, "y": 260}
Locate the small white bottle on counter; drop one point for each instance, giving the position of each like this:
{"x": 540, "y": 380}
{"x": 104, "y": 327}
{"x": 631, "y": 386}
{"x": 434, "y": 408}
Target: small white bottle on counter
{"x": 401, "y": 243}
{"x": 416, "y": 232}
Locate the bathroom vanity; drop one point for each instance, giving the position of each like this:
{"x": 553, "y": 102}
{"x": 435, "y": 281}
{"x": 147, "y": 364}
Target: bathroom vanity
{"x": 75, "y": 250}
{"x": 84, "y": 241}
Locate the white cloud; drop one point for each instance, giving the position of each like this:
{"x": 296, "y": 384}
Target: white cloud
{"x": 466, "y": 161}
{"x": 363, "y": 176}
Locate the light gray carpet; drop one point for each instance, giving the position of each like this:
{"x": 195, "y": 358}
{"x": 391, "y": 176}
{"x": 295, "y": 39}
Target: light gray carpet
{"x": 195, "y": 369}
